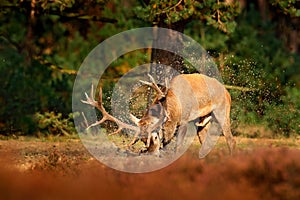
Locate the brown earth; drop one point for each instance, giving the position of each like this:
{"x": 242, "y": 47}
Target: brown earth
{"x": 260, "y": 169}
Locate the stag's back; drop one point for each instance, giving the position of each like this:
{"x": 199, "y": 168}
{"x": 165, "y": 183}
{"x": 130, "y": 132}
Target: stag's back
{"x": 193, "y": 95}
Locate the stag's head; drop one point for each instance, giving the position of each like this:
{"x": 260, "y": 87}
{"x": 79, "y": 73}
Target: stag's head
{"x": 150, "y": 126}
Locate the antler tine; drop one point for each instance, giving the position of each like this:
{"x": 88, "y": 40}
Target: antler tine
{"x": 85, "y": 120}
{"x": 96, "y": 123}
{"x": 117, "y": 131}
{"x": 167, "y": 82}
{"x": 106, "y": 116}
{"x": 100, "y": 95}
{"x": 90, "y": 100}
{"x": 134, "y": 139}
{"x": 152, "y": 79}
{"x": 154, "y": 86}
{"x": 92, "y": 92}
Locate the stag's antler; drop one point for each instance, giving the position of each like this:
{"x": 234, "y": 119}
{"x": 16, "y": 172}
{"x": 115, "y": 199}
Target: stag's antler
{"x": 106, "y": 116}
{"x": 160, "y": 94}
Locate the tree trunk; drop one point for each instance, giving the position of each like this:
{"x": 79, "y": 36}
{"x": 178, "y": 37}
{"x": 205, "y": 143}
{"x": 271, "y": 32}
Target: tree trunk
{"x": 163, "y": 57}
{"x": 294, "y": 36}
{"x": 263, "y": 9}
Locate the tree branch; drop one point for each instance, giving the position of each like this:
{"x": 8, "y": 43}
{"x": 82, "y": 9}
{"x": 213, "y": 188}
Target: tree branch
{"x": 243, "y": 89}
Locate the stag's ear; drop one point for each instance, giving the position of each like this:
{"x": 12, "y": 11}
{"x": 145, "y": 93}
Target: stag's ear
{"x": 134, "y": 119}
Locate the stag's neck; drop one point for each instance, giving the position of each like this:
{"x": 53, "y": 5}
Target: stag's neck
{"x": 173, "y": 107}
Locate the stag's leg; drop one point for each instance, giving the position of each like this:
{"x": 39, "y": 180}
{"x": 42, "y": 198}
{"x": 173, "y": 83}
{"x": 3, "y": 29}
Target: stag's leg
{"x": 208, "y": 136}
{"x": 229, "y": 138}
{"x": 219, "y": 113}
{"x": 202, "y": 132}
{"x": 180, "y": 136}
{"x": 227, "y": 133}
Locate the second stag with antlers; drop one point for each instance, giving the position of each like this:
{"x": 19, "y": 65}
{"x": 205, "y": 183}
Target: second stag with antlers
{"x": 188, "y": 97}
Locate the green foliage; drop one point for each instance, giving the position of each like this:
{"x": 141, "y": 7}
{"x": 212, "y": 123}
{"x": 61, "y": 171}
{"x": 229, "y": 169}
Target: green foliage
{"x": 284, "y": 117}
{"x": 39, "y": 56}
{"x": 21, "y": 94}
{"x": 210, "y": 39}
{"x": 219, "y": 15}
{"x": 258, "y": 60}
{"x": 167, "y": 11}
{"x": 28, "y": 88}
{"x": 50, "y": 123}
{"x": 288, "y": 7}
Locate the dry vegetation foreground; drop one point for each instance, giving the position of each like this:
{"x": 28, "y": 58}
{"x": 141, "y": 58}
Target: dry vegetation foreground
{"x": 260, "y": 169}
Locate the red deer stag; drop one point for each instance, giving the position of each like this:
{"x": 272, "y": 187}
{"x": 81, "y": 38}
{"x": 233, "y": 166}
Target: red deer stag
{"x": 188, "y": 97}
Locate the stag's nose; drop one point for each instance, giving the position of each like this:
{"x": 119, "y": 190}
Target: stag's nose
{"x": 155, "y": 141}
{"x": 155, "y": 137}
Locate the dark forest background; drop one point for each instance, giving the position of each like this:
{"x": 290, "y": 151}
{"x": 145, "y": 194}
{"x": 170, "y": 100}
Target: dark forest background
{"x": 256, "y": 45}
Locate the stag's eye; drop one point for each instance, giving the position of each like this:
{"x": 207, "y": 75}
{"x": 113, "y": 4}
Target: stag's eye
{"x": 154, "y": 135}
